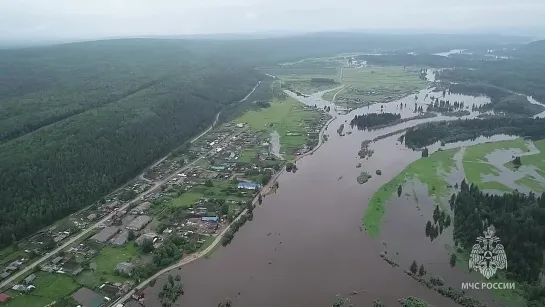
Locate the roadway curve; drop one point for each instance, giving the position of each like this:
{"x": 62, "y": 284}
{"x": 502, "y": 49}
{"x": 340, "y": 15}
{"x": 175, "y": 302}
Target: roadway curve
{"x": 84, "y": 232}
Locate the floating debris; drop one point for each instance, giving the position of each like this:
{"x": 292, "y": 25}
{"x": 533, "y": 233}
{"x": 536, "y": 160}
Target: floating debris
{"x": 379, "y": 172}
{"x": 363, "y": 177}
{"x": 358, "y": 165}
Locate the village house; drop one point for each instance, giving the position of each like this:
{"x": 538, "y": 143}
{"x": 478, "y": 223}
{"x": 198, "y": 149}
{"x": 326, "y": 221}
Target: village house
{"x": 13, "y": 266}
{"x": 29, "y": 279}
{"x": 210, "y": 219}
{"x": 125, "y": 268}
{"x": 139, "y": 222}
{"x": 23, "y": 289}
{"x": 141, "y": 209}
{"x": 121, "y": 238}
{"x": 248, "y": 185}
{"x": 113, "y": 205}
{"x": 147, "y": 236}
{"x": 92, "y": 216}
{"x": 56, "y": 260}
{"x": 105, "y": 234}
{"x": 86, "y": 297}
{"x": 4, "y": 298}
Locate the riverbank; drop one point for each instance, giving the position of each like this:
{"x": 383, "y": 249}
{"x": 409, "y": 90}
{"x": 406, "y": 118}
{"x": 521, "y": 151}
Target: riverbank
{"x": 204, "y": 253}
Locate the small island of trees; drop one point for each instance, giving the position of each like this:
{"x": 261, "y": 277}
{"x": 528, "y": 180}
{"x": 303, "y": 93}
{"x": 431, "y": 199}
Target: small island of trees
{"x": 371, "y": 120}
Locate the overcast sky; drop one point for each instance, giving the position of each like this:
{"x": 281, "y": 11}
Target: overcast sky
{"x": 34, "y": 19}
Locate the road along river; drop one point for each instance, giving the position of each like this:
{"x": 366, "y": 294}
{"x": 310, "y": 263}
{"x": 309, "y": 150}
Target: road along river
{"x": 305, "y": 244}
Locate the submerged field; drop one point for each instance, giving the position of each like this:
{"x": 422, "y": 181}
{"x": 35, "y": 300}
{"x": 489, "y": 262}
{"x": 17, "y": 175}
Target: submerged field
{"x": 488, "y": 165}
{"x": 368, "y": 85}
{"x": 426, "y": 170}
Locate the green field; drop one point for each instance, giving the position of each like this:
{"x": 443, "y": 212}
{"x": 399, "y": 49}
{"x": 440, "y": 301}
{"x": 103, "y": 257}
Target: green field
{"x": 49, "y": 287}
{"x": 531, "y": 183}
{"x": 426, "y": 170}
{"x": 186, "y": 199}
{"x": 537, "y": 160}
{"x": 369, "y": 85}
{"x": 288, "y": 117}
{"x": 299, "y": 78}
{"x": 247, "y": 155}
{"x": 109, "y": 257}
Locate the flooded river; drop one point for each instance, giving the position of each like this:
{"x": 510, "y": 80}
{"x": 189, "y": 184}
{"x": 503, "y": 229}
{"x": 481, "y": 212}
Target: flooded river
{"x": 305, "y": 244}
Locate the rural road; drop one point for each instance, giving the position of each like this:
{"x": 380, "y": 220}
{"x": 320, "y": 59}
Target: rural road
{"x": 342, "y": 86}
{"x": 84, "y": 232}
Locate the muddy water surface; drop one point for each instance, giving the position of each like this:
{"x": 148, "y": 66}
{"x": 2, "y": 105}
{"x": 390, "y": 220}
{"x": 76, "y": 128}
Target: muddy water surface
{"x": 305, "y": 244}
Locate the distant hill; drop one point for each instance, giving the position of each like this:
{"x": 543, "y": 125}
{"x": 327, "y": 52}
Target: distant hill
{"x": 536, "y": 46}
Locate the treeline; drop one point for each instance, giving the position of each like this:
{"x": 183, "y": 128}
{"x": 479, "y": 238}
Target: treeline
{"x": 469, "y": 129}
{"x": 262, "y": 95}
{"x": 501, "y": 100}
{"x": 524, "y": 76}
{"x": 519, "y": 221}
{"x": 60, "y": 168}
{"x": 370, "y": 120}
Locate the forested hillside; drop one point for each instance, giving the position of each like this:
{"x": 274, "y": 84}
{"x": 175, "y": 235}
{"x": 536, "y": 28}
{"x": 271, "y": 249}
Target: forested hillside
{"x": 78, "y": 120}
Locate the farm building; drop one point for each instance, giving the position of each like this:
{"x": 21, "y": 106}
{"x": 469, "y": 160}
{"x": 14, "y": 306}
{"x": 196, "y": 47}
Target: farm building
{"x": 105, "y": 234}
{"x": 139, "y": 222}
{"x": 248, "y": 185}
{"x": 89, "y": 298}
{"x": 142, "y": 208}
{"x": 211, "y": 219}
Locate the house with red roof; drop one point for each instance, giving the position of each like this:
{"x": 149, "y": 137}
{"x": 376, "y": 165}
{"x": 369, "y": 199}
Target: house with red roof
{"x": 4, "y": 298}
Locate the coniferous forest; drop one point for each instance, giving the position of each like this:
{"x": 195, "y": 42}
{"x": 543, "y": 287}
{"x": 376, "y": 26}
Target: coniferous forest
{"x": 519, "y": 221}
{"x": 79, "y": 120}
{"x": 469, "y": 129}
{"x": 370, "y": 120}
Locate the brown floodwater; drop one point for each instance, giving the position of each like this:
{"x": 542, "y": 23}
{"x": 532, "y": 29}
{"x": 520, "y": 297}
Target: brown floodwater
{"x": 305, "y": 243}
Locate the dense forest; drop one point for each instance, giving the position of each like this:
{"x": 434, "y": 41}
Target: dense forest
{"x": 370, "y": 120}
{"x": 469, "y": 129}
{"x": 78, "y": 120}
{"x": 519, "y": 221}
{"x": 501, "y": 100}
